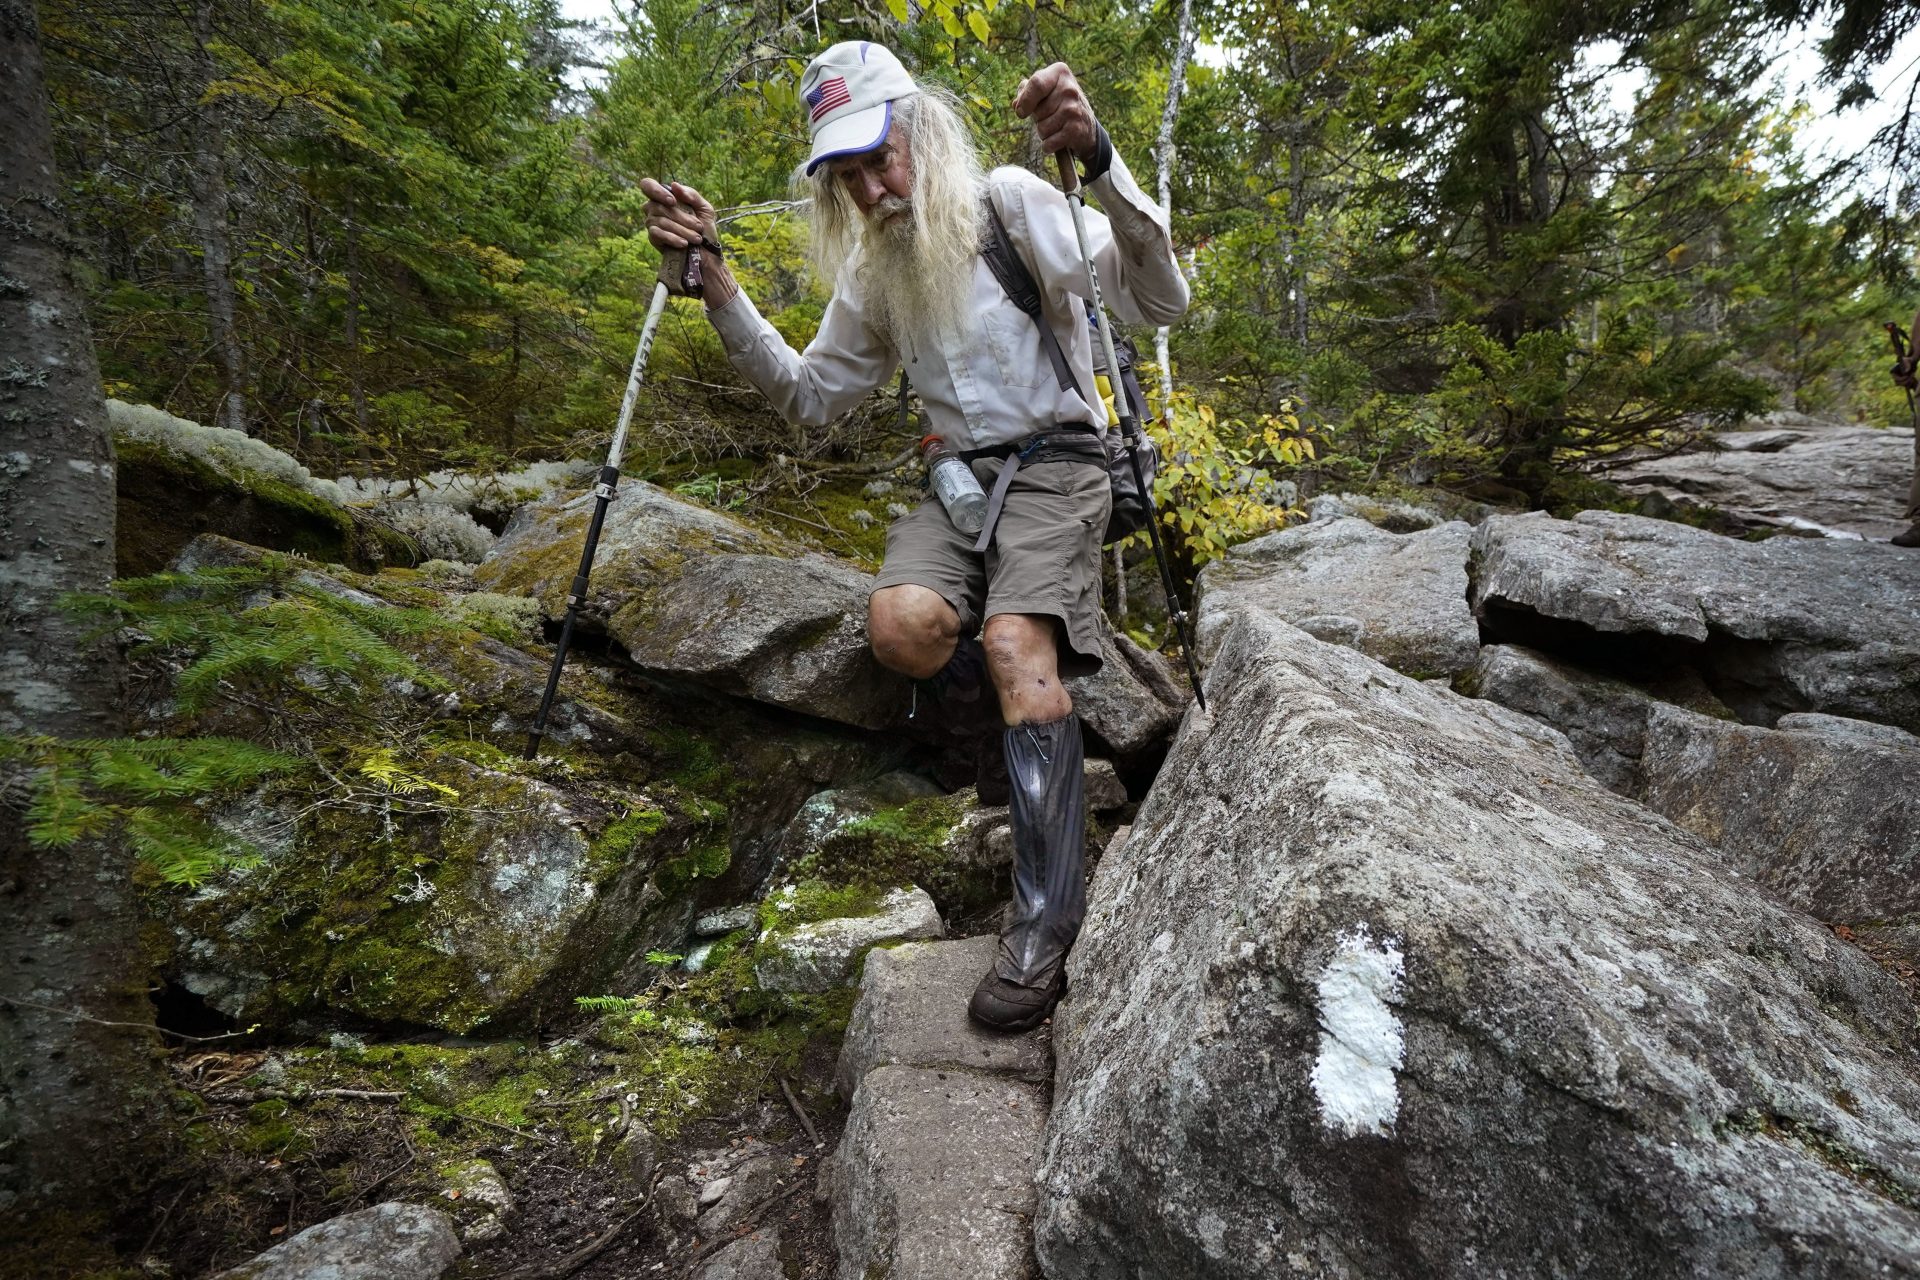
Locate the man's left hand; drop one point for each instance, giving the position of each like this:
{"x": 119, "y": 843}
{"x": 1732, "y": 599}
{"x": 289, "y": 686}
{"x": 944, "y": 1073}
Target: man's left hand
{"x": 1060, "y": 112}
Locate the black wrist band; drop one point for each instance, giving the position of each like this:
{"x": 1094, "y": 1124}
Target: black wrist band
{"x": 1102, "y": 157}
{"x": 712, "y": 245}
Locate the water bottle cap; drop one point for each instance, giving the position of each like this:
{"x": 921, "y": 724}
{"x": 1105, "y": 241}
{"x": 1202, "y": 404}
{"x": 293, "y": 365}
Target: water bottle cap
{"x": 927, "y": 440}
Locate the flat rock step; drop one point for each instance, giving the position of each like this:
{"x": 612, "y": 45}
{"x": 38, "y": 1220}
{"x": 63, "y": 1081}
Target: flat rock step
{"x": 934, "y": 1177}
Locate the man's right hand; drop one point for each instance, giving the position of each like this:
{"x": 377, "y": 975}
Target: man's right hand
{"x": 677, "y": 215}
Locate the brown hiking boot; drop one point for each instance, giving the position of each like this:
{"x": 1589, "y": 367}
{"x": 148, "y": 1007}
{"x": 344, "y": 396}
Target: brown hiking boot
{"x": 1911, "y": 538}
{"x": 1005, "y": 1005}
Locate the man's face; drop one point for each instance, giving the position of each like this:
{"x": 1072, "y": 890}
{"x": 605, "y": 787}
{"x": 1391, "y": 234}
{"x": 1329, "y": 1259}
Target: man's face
{"x": 880, "y": 181}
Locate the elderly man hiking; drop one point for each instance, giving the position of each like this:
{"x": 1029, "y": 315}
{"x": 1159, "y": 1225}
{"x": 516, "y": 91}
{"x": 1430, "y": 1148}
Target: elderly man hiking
{"x": 901, "y": 210}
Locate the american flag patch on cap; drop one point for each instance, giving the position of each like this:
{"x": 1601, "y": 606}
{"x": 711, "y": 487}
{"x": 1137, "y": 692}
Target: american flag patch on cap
{"x": 827, "y": 95}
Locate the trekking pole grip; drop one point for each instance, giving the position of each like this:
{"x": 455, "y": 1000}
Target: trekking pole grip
{"x": 1069, "y": 176}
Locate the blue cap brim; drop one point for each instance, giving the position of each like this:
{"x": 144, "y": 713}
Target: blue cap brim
{"x": 844, "y": 137}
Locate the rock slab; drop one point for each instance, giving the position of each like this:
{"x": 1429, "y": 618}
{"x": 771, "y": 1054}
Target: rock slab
{"x": 1378, "y": 987}
{"x": 818, "y": 957}
{"x": 699, "y": 595}
{"x": 1830, "y": 824}
{"x": 934, "y": 1177}
{"x": 913, "y": 1012}
{"x": 1811, "y": 475}
{"x": 391, "y": 1241}
{"x": 1788, "y": 624}
{"x": 1399, "y": 598}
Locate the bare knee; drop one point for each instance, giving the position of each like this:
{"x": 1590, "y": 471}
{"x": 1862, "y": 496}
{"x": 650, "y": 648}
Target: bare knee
{"x": 1024, "y": 663}
{"x": 912, "y": 629}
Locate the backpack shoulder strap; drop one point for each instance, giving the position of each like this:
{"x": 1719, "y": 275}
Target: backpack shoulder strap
{"x": 1004, "y": 261}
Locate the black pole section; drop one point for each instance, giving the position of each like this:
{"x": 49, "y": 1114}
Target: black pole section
{"x": 679, "y": 271}
{"x": 1129, "y": 430}
{"x": 576, "y": 596}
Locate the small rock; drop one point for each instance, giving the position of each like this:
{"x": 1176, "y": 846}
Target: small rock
{"x": 697, "y": 958}
{"x": 391, "y": 1241}
{"x": 755, "y": 1257}
{"x": 677, "y": 1200}
{"x": 1104, "y": 788}
{"x": 1862, "y": 733}
{"x": 717, "y": 923}
{"x": 711, "y": 1193}
{"x": 481, "y": 1199}
{"x": 749, "y": 1184}
{"x": 638, "y": 1151}
{"x": 819, "y": 957}
{"x": 934, "y": 1177}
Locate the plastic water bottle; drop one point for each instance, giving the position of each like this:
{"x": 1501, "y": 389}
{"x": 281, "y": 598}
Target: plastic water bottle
{"x": 953, "y": 482}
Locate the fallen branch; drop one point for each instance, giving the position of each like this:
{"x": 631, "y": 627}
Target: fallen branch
{"x": 301, "y": 1095}
{"x": 504, "y": 1128}
{"x": 801, "y": 1113}
{"x": 77, "y": 1015}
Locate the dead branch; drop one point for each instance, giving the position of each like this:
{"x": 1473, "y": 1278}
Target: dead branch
{"x": 801, "y": 1113}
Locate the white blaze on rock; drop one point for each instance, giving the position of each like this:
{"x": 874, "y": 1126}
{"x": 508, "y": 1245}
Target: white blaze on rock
{"x": 1361, "y": 1041}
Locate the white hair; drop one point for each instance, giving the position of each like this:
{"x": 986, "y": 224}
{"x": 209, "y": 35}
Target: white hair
{"x": 924, "y": 276}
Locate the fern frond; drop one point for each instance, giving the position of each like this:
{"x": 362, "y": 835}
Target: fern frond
{"x": 384, "y": 767}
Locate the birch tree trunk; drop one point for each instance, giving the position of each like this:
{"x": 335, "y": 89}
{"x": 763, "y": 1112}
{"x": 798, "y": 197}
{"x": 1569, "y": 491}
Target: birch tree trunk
{"x": 72, "y": 1091}
{"x": 1163, "y": 160}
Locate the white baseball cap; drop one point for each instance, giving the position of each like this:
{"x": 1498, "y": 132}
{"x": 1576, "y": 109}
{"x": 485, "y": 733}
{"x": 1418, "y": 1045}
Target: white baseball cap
{"x": 848, "y": 92}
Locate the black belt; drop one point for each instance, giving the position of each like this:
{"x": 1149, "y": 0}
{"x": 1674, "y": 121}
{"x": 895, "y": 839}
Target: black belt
{"x": 1063, "y": 444}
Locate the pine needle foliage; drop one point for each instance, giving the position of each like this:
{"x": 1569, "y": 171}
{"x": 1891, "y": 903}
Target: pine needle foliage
{"x": 270, "y": 626}
{"x": 154, "y": 791}
{"x": 272, "y": 629}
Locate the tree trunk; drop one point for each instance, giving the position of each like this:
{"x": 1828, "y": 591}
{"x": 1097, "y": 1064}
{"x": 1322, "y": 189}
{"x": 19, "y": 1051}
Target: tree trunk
{"x": 73, "y": 1093}
{"x": 356, "y": 375}
{"x": 207, "y": 189}
{"x": 1163, "y": 160}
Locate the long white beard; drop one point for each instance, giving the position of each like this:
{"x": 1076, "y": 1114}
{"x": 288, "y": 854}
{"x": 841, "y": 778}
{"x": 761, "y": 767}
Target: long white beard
{"x": 912, "y": 287}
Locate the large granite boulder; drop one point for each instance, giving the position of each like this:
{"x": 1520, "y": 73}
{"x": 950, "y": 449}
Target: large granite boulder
{"x": 693, "y": 593}
{"x": 1788, "y": 624}
{"x": 1377, "y": 987}
{"x": 1400, "y": 598}
{"x": 491, "y": 905}
{"x": 1795, "y": 473}
{"x": 427, "y": 876}
{"x": 819, "y": 955}
{"x": 1830, "y": 823}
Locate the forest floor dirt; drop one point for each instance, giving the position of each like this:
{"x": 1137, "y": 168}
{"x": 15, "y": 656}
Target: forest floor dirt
{"x": 258, "y": 1170}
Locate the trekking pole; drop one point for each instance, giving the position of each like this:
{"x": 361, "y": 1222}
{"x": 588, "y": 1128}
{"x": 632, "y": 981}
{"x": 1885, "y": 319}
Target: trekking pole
{"x": 681, "y": 264}
{"x": 1129, "y": 425}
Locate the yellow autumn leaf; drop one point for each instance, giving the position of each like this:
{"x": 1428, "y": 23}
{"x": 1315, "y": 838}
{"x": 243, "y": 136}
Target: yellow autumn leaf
{"x": 977, "y": 23}
{"x": 898, "y": 8}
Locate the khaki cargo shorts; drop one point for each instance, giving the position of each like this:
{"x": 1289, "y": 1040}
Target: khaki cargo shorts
{"x": 1044, "y": 558}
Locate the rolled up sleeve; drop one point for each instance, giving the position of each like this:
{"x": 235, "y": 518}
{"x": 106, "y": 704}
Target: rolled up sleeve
{"x": 1140, "y": 279}
{"x": 845, "y": 361}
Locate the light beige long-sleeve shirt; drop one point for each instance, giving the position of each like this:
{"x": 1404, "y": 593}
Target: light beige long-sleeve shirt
{"x": 999, "y": 385}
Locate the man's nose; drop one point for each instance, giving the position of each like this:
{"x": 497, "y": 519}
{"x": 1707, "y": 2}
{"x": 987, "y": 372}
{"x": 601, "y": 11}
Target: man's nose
{"x": 869, "y": 189}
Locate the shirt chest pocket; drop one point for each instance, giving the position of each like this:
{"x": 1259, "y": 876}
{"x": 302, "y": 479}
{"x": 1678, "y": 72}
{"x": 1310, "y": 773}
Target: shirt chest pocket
{"x": 1015, "y": 343}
